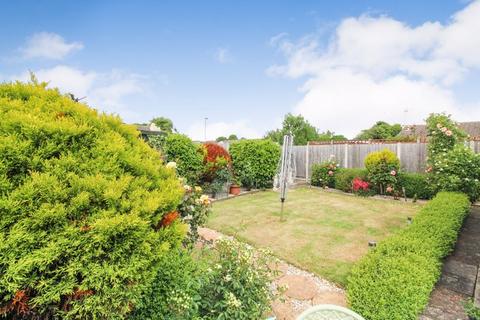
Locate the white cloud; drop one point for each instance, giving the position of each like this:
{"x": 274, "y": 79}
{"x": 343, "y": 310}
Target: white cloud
{"x": 217, "y": 129}
{"x": 49, "y": 46}
{"x": 223, "y": 55}
{"x": 375, "y": 68}
{"x": 103, "y": 91}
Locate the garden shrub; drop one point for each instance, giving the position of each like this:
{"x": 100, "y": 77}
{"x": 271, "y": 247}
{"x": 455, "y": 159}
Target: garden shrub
{"x": 217, "y": 172}
{"x": 344, "y": 178}
{"x": 382, "y": 168}
{"x": 323, "y": 174}
{"x": 394, "y": 280}
{"x": 361, "y": 187}
{"x": 237, "y": 283}
{"x": 189, "y": 157}
{"x": 82, "y": 200}
{"x": 451, "y": 165}
{"x": 174, "y": 294}
{"x": 416, "y": 185}
{"x": 194, "y": 210}
{"x": 255, "y": 162}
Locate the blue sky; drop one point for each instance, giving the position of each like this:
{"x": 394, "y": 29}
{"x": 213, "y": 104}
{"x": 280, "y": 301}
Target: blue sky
{"x": 244, "y": 64}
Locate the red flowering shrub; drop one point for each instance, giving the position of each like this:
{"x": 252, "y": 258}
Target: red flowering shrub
{"x": 213, "y": 152}
{"x": 360, "y": 187}
{"x": 217, "y": 160}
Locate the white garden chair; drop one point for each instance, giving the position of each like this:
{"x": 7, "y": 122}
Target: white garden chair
{"x": 329, "y": 312}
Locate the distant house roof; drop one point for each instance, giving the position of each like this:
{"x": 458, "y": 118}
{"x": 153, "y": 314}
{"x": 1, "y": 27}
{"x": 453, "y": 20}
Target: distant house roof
{"x": 150, "y": 129}
{"x": 419, "y": 130}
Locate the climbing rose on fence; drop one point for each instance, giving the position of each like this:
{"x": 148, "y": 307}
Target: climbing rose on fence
{"x": 451, "y": 165}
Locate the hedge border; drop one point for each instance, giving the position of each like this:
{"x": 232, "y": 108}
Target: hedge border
{"x": 394, "y": 281}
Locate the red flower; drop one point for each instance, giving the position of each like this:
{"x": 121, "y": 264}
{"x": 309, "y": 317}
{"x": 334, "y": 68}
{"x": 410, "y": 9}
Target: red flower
{"x": 169, "y": 218}
{"x": 359, "y": 184}
{"x": 214, "y": 151}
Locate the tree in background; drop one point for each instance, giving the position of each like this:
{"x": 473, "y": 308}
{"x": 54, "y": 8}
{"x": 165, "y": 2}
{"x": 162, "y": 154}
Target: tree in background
{"x": 165, "y": 124}
{"x": 302, "y": 131}
{"x": 330, "y": 135}
{"x": 232, "y": 137}
{"x": 380, "y": 130}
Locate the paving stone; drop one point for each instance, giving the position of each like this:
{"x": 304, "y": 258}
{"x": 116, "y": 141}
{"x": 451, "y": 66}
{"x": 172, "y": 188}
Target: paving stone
{"x": 328, "y": 297}
{"x": 283, "y": 310}
{"x": 459, "y": 277}
{"x": 208, "y": 234}
{"x": 459, "y": 274}
{"x": 299, "y": 287}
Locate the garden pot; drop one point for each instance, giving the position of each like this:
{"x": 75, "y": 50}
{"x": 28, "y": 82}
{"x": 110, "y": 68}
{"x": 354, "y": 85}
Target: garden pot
{"x": 235, "y": 189}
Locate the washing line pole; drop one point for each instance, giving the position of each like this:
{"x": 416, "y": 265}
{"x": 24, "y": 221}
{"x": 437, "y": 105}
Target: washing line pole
{"x": 285, "y": 168}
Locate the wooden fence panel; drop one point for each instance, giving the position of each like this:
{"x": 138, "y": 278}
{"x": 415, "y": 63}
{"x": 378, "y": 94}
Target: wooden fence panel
{"x": 412, "y": 155}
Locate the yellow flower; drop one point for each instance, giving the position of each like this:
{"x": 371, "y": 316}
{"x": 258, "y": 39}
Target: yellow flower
{"x": 198, "y": 189}
{"x": 204, "y": 199}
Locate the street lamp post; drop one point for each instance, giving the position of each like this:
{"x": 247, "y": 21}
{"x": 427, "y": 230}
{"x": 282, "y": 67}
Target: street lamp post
{"x": 205, "y": 129}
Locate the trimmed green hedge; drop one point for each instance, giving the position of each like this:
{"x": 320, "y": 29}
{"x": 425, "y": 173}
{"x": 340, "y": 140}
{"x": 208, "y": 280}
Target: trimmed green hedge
{"x": 344, "y": 178}
{"x": 188, "y": 156}
{"x": 416, "y": 184}
{"x": 394, "y": 280}
{"x": 255, "y": 162}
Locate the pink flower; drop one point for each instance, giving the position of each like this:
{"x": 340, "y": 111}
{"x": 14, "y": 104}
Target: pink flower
{"x": 444, "y": 129}
{"x": 448, "y": 133}
{"x": 393, "y": 173}
{"x": 429, "y": 169}
{"x": 389, "y": 189}
{"x": 330, "y": 173}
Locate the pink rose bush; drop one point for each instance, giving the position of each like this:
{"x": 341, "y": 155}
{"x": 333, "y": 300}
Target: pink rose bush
{"x": 323, "y": 174}
{"x": 451, "y": 165}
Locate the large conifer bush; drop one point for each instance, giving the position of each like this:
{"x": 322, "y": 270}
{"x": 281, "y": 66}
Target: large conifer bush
{"x": 81, "y": 206}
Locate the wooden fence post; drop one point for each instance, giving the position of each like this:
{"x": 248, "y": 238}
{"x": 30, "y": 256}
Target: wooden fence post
{"x": 345, "y": 160}
{"x": 399, "y": 151}
{"x": 307, "y": 151}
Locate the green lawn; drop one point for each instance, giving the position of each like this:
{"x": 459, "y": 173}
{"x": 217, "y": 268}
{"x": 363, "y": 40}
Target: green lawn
{"x": 321, "y": 231}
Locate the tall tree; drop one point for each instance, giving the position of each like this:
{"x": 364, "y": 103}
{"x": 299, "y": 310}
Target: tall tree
{"x": 330, "y": 135}
{"x": 232, "y": 137}
{"x": 380, "y": 130}
{"x": 165, "y": 124}
{"x": 301, "y": 129}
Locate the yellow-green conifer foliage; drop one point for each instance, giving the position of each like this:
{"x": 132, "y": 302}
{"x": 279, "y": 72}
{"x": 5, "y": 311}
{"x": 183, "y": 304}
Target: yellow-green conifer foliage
{"x": 81, "y": 199}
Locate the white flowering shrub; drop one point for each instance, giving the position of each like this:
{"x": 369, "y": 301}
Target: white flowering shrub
{"x": 194, "y": 210}
{"x": 457, "y": 170}
{"x": 451, "y": 165}
{"x": 237, "y": 283}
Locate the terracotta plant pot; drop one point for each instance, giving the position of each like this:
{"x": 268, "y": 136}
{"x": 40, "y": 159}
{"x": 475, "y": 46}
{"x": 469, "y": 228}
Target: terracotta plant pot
{"x": 235, "y": 189}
